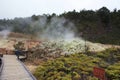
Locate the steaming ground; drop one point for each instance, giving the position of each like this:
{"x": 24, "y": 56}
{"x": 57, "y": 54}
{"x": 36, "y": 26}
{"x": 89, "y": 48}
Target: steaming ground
{"x": 69, "y": 46}
{"x": 55, "y": 30}
{"x": 76, "y": 45}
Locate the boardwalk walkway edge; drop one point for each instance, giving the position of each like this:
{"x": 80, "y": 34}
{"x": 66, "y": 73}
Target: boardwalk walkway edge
{"x": 28, "y": 71}
{"x": 2, "y": 64}
{"x": 13, "y": 69}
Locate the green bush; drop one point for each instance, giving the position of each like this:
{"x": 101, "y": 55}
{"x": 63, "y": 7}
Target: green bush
{"x": 113, "y": 71}
{"x": 80, "y": 66}
{"x": 74, "y": 67}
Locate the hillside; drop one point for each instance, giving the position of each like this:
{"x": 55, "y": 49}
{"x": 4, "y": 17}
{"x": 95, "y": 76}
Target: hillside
{"x": 80, "y": 66}
{"x": 101, "y": 26}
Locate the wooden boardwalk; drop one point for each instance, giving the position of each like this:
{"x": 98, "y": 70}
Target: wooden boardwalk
{"x": 13, "y": 69}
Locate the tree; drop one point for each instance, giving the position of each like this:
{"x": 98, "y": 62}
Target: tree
{"x": 104, "y": 15}
{"x": 35, "y": 18}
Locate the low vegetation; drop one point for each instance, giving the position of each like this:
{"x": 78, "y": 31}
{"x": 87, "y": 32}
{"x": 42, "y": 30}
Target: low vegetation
{"x": 80, "y": 66}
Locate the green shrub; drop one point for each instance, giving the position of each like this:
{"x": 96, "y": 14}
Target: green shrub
{"x": 80, "y": 66}
{"x": 69, "y": 68}
{"x": 113, "y": 71}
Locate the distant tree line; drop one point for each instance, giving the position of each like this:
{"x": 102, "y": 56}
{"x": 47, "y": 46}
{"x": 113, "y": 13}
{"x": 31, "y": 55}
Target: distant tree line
{"x": 101, "y": 25}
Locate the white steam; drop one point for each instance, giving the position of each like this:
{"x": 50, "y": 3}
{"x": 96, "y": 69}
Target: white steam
{"x": 4, "y": 33}
{"x": 56, "y": 28}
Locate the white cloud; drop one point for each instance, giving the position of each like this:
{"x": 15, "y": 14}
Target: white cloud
{"x": 22, "y": 8}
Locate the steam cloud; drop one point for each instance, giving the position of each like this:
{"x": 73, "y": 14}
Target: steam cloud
{"x": 53, "y": 28}
{"x": 4, "y": 33}
{"x": 56, "y": 28}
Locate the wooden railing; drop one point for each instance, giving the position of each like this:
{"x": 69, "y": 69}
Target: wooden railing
{"x": 1, "y": 65}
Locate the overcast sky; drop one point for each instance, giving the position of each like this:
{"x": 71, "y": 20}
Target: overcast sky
{"x": 24, "y": 8}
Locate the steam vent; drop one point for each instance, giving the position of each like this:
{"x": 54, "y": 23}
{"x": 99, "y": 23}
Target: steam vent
{"x": 59, "y": 39}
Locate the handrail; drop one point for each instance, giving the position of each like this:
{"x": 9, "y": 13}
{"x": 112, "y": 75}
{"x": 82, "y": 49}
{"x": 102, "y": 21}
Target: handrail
{"x": 1, "y": 65}
{"x": 30, "y": 74}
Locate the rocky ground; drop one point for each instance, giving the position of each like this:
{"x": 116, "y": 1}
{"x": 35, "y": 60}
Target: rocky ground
{"x": 74, "y": 46}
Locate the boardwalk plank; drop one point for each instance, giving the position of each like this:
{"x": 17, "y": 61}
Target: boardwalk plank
{"x": 13, "y": 69}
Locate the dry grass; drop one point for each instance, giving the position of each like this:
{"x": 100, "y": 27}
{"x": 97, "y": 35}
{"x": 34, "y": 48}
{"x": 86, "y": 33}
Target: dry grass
{"x": 31, "y": 67}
